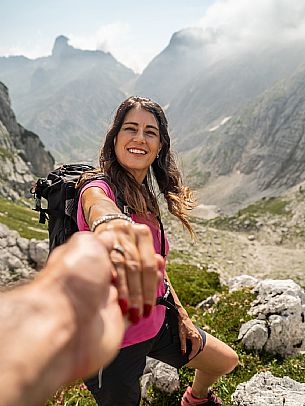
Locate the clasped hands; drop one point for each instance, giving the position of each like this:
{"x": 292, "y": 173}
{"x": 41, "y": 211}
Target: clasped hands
{"x": 136, "y": 267}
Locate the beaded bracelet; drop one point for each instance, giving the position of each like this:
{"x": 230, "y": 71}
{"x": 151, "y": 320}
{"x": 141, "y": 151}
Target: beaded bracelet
{"x": 110, "y": 217}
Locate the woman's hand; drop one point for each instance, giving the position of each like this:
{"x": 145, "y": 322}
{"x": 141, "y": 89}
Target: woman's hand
{"x": 132, "y": 253}
{"x": 136, "y": 264}
{"x": 187, "y": 330}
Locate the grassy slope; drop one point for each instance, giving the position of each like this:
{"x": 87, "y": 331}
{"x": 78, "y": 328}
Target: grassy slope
{"x": 22, "y": 219}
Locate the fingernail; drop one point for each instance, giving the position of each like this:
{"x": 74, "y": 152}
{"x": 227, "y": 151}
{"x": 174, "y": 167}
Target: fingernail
{"x": 147, "y": 310}
{"x": 134, "y": 315}
{"x": 123, "y": 305}
{"x": 183, "y": 352}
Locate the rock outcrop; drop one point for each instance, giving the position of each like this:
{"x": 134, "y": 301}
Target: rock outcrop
{"x": 20, "y": 258}
{"x": 279, "y": 327}
{"x": 160, "y": 375}
{"x": 264, "y": 389}
{"x": 22, "y": 153}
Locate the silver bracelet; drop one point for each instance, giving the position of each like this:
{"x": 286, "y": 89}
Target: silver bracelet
{"x": 109, "y": 217}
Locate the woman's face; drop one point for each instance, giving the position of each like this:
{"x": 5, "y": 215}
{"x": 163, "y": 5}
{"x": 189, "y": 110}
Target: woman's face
{"x": 138, "y": 142}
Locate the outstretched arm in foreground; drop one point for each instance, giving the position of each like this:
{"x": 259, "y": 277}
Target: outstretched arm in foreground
{"x": 65, "y": 325}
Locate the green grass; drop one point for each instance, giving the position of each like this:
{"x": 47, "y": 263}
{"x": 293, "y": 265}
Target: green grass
{"x": 272, "y": 206}
{"x": 176, "y": 255}
{"x": 22, "y": 219}
{"x": 72, "y": 395}
{"x": 223, "y": 321}
{"x": 192, "y": 284}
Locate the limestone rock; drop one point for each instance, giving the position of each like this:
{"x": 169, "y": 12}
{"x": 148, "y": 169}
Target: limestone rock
{"x": 161, "y": 375}
{"x": 254, "y": 334}
{"x": 208, "y": 302}
{"x": 242, "y": 281}
{"x": 19, "y": 257}
{"x": 280, "y": 324}
{"x": 38, "y": 252}
{"x": 264, "y": 389}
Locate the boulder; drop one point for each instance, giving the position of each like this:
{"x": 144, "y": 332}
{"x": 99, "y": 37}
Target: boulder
{"x": 279, "y": 327}
{"x": 160, "y": 375}
{"x": 264, "y": 389}
{"x": 242, "y": 281}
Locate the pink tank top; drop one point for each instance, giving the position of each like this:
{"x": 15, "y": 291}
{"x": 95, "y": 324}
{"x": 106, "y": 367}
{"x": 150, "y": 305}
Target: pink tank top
{"x": 150, "y": 326}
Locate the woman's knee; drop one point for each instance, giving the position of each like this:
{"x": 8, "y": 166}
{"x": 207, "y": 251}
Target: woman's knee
{"x": 232, "y": 361}
{"x": 216, "y": 357}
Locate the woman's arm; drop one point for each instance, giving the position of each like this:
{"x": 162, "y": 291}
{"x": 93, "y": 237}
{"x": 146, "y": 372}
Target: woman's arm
{"x": 137, "y": 265}
{"x": 187, "y": 330}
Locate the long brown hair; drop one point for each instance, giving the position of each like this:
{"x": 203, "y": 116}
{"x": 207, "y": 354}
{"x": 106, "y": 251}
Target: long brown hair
{"x": 142, "y": 198}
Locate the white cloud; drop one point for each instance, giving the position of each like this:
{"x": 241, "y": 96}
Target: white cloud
{"x": 234, "y": 25}
{"x": 114, "y": 38}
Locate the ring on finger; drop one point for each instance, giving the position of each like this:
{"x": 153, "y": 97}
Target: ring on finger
{"x": 119, "y": 249}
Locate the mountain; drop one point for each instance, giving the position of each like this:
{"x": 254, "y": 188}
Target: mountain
{"x": 169, "y": 72}
{"x": 67, "y": 97}
{"x": 218, "y": 105}
{"x": 200, "y": 87}
{"x": 22, "y": 153}
{"x": 259, "y": 152}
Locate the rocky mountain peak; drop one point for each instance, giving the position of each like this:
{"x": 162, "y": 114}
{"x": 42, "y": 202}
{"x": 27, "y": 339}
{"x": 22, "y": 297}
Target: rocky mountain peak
{"x": 61, "y": 47}
{"x": 188, "y": 37}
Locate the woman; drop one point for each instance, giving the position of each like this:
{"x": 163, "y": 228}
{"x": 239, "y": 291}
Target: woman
{"x": 137, "y": 148}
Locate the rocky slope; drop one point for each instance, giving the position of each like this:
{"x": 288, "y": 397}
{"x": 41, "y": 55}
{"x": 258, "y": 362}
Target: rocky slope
{"x": 265, "y": 240}
{"x": 22, "y": 153}
{"x": 259, "y": 152}
{"x": 20, "y": 258}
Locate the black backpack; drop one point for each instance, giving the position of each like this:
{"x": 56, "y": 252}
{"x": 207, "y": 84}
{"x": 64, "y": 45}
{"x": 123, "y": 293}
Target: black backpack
{"x": 62, "y": 197}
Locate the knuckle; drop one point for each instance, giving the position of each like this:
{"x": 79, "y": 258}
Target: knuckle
{"x": 132, "y": 266}
{"x": 143, "y": 230}
{"x": 150, "y": 268}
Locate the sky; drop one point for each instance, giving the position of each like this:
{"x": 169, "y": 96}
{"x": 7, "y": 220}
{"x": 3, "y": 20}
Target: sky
{"x": 136, "y": 31}
{"x": 133, "y": 31}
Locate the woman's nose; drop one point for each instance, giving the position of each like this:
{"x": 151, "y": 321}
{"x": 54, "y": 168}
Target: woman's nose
{"x": 139, "y": 135}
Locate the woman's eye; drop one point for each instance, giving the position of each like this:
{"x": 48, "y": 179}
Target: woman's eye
{"x": 151, "y": 133}
{"x": 129, "y": 129}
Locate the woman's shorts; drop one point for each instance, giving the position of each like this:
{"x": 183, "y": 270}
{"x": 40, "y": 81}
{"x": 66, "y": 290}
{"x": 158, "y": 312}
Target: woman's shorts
{"x": 120, "y": 380}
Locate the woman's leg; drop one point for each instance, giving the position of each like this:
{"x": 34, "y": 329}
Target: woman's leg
{"x": 216, "y": 359}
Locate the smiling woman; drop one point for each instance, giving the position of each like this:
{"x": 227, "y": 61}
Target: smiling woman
{"x": 138, "y": 142}
{"x": 136, "y": 149}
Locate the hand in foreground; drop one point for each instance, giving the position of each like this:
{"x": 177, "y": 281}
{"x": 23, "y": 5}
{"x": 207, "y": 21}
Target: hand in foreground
{"x": 83, "y": 270}
{"x": 187, "y": 330}
{"x": 137, "y": 266}
{"x": 63, "y": 326}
